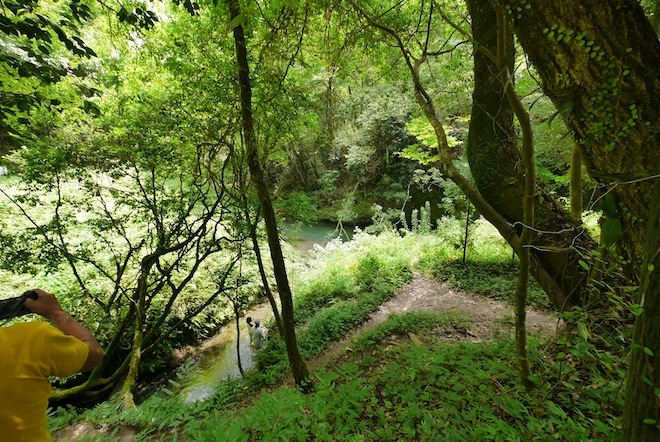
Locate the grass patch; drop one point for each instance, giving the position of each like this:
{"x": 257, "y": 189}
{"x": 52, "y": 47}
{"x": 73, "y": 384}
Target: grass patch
{"x": 343, "y": 288}
{"x": 409, "y": 322}
{"x": 495, "y": 280}
{"x": 459, "y": 392}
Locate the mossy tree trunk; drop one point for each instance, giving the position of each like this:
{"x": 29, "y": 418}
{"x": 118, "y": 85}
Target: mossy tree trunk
{"x": 641, "y": 413}
{"x": 547, "y": 281}
{"x": 495, "y": 163}
{"x": 298, "y": 366}
{"x": 130, "y": 383}
{"x": 598, "y": 62}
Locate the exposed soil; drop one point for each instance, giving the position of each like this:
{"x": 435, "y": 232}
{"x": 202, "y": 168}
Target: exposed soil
{"x": 87, "y": 432}
{"x": 488, "y": 317}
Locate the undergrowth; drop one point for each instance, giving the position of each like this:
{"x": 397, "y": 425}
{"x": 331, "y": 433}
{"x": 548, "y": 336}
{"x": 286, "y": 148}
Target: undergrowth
{"x": 392, "y": 389}
{"x": 429, "y": 392}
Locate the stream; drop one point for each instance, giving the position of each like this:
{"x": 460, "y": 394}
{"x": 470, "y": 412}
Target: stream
{"x": 218, "y": 360}
{"x": 215, "y": 359}
{"x": 304, "y": 237}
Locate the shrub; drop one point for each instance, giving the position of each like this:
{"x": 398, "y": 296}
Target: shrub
{"x": 298, "y": 206}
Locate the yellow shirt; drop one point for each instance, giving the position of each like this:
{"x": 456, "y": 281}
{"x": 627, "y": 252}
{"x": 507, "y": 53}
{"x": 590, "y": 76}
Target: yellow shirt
{"x": 30, "y": 352}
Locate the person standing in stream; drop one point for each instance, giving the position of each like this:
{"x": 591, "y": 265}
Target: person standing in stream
{"x": 260, "y": 334}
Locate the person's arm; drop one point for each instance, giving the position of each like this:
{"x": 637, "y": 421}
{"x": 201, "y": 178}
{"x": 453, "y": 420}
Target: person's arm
{"x": 249, "y": 323}
{"x": 47, "y": 306}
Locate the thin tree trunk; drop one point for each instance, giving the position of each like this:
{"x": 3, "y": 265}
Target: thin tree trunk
{"x": 264, "y": 279}
{"x": 504, "y": 36}
{"x": 238, "y": 338}
{"x": 576, "y": 183}
{"x": 467, "y": 232}
{"x": 298, "y": 366}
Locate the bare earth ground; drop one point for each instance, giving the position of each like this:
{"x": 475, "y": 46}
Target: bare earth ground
{"x": 488, "y": 317}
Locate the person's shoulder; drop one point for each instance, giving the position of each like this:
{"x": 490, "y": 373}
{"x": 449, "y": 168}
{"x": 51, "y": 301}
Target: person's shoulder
{"x": 29, "y": 327}
{"x": 33, "y": 331}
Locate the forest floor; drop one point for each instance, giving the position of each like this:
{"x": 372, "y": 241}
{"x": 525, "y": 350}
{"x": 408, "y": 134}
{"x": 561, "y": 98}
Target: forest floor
{"x": 488, "y": 318}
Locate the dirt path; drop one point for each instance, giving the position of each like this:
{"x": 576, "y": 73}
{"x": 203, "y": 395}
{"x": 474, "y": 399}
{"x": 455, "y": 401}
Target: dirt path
{"x": 488, "y": 316}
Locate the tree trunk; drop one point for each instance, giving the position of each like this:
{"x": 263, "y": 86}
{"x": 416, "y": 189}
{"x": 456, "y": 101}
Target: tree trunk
{"x": 237, "y": 314}
{"x": 130, "y": 383}
{"x": 444, "y": 163}
{"x": 576, "y": 183}
{"x": 495, "y": 163}
{"x": 467, "y": 231}
{"x": 641, "y": 412}
{"x": 264, "y": 278}
{"x": 598, "y": 60}
{"x": 504, "y": 50}
{"x": 298, "y": 366}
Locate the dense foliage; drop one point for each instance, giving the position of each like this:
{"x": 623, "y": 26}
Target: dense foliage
{"x": 143, "y": 143}
{"x": 389, "y": 386}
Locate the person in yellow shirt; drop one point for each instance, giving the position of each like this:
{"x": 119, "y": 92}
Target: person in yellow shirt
{"x": 30, "y": 353}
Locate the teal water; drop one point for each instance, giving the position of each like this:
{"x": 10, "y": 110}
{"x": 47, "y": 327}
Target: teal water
{"x": 304, "y": 237}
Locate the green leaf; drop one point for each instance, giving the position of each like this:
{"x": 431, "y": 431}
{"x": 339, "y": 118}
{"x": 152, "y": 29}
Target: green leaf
{"x": 584, "y": 265}
{"x": 609, "y": 206}
{"x": 556, "y": 409}
{"x": 583, "y": 329}
{"x": 239, "y": 20}
{"x": 650, "y": 421}
{"x": 611, "y": 231}
{"x": 648, "y": 351}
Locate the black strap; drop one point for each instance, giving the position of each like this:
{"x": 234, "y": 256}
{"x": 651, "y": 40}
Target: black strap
{"x": 13, "y": 307}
